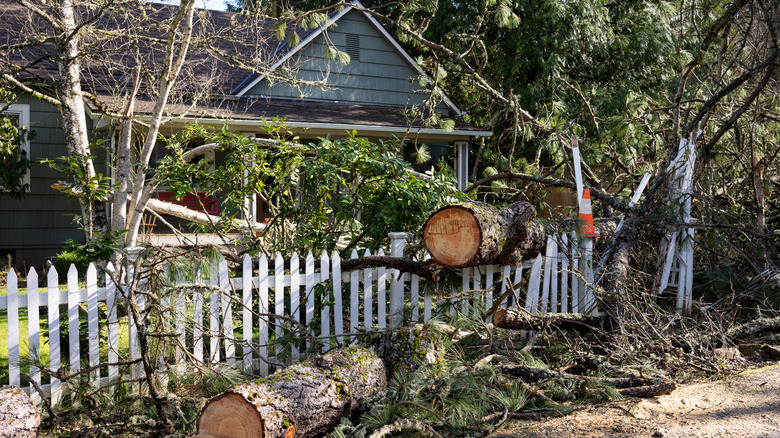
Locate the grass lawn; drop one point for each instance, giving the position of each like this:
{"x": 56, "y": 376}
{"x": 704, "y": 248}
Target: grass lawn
{"x": 44, "y": 342}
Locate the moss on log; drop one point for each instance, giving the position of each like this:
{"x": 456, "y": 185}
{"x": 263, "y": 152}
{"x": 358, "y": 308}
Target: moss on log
{"x": 305, "y": 399}
{"x": 407, "y": 348}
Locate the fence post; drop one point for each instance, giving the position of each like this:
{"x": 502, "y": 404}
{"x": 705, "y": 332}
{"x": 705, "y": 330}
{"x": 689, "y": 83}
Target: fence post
{"x": 397, "y": 244}
{"x": 135, "y": 353}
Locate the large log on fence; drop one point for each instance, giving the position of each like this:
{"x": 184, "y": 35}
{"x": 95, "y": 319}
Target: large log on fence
{"x": 18, "y": 415}
{"x": 473, "y": 233}
{"x": 303, "y": 400}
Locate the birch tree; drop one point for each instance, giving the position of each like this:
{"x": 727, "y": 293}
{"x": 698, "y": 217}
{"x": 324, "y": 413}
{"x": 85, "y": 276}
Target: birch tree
{"x": 125, "y": 52}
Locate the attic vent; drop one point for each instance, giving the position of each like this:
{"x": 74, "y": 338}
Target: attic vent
{"x": 353, "y": 46}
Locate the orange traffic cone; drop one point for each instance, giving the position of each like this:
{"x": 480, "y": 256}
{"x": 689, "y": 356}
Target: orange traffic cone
{"x": 586, "y": 215}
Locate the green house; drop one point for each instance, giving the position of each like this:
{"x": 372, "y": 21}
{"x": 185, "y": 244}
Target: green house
{"x": 375, "y": 93}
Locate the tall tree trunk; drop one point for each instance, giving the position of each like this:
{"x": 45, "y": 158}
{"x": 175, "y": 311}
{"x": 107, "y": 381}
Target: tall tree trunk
{"x": 74, "y": 115}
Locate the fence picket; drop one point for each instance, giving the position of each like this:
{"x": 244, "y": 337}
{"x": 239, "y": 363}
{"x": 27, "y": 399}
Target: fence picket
{"x": 381, "y": 294}
{"x": 338, "y": 308}
{"x": 368, "y": 299}
{"x": 309, "y": 293}
{"x": 354, "y": 311}
{"x": 554, "y": 274}
{"x": 246, "y": 311}
{"x": 325, "y": 312}
{"x": 428, "y": 303}
{"x": 180, "y": 313}
{"x": 575, "y": 277}
{"x": 295, "y": 300}
{"x": 73, "y": 319}
{"x": 563, "y": 254}
{"x": 532, "y": 301}
{"x": 587, "y": 260}
{"x": 33, "y": 334}
{"x": 93, "y": 335}
{"x": 197, "y": 319}
{"x": 53, "y": 318}
{"x": 135, "y": 354}
{"x": 14, "y": 376}
{"x": 214, "y": 331}
{"x": 506, "y": 281}
{"x": 227, "y": 312}
{"x": 414, "y": 296}
{"x": 477, "y": 287}
{"x": 548, "y": 254}
{"x": 464, "y": 284}
{"x": 112, "y": 333}
{"x": 489, "y": 274}
{"x": 518, "y": 281}
{"x": 278, "y": 299}
{"x": 262, "y": 320}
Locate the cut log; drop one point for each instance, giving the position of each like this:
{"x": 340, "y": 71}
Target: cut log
{"x": 521, "y": 320}
{"x": 473, "y": 233}
{"x": 18, "y": 415}
{"x": 303, "y": 400}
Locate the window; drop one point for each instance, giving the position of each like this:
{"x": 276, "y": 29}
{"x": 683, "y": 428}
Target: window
{"x": 15, "y": 156}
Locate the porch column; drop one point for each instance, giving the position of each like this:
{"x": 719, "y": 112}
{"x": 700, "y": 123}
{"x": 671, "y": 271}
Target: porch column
{"x": 462, "y": 163}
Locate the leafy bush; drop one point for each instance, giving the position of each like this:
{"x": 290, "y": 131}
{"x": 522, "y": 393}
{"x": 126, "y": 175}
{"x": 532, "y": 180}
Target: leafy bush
{"x": 66, "y": 258}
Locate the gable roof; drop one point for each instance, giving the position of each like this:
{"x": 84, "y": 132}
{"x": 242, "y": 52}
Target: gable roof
{"x": 287, "y": 51}
{"x": 109, "y": 75}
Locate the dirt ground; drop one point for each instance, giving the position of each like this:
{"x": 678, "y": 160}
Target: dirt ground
{"x": 742, "y": 405}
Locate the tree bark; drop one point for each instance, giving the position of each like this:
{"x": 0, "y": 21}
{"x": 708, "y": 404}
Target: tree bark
{"x": 472, "y": 234}
{"x": 630, "y": 386}
{"x": 19, "y": 417}
{"x": 521, "y": 320}
{"x": 303, "y": 400}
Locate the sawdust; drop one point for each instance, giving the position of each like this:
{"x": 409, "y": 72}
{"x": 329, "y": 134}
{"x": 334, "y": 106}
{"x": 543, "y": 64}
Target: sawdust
{"x": 742, "y": 405}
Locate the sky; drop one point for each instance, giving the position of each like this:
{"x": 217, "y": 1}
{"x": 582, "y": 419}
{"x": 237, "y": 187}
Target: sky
{"x": 217, "y": 5}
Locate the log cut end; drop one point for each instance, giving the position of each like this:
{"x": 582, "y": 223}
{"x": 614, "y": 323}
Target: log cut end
{"x": 452, "y": 236}
{"x": 230, "y": 416}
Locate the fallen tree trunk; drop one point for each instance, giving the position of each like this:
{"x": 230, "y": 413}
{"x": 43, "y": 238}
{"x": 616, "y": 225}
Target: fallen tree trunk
{"x": 303, "y": 400}
{"x": 18, "y": 415}
{"x": 402, "y": 264}
{"x": 473, "y": 233}
{"x": 522, "y": 320}
{"x": 629, "y": 386}
{"x": 742, "y": 331}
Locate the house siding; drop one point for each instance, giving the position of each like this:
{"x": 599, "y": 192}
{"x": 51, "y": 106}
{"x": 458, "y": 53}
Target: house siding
{"x": 380, "y": 77}
{"x": 34, "y": 228}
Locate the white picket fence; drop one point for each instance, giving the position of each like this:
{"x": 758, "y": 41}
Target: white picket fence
{"x": 203, "y": 317}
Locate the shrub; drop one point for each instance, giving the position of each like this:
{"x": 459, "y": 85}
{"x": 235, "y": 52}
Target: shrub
{"x": 66, "y": 258}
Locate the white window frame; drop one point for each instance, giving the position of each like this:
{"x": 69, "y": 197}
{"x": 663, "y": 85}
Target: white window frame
{"x": 23, "y": 112}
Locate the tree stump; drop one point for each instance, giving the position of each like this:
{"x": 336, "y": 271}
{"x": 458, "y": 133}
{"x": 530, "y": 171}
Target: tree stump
{"x": 473, "y": 233}
{"x": 19, "y": 417}
{"x": 303, "y": 400}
